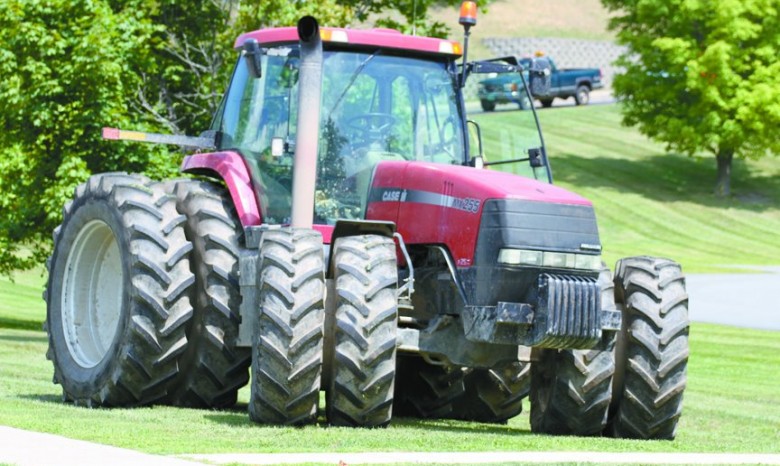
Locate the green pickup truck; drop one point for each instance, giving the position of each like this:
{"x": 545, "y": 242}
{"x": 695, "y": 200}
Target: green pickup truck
{"x": 564, "y": 83}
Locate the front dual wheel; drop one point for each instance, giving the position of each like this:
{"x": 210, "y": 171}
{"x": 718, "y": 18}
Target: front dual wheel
{"x": 288, "y": 342}
{"x": 362, "y": 377}
{"x": 632, "y": 385}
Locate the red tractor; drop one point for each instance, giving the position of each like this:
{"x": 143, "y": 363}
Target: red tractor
{"x": 346, "y": 232}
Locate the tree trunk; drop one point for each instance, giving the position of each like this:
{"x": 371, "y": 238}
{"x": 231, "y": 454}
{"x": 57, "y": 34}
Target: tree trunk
{"x": 723, "y": 186}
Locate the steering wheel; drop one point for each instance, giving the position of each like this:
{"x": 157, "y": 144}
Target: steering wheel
{"x": 447, "y": 135}
{"x": 372, "y": 126}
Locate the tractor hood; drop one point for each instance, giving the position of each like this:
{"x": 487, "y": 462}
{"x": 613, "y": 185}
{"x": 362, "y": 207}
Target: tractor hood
{"x": 470, "y": 209}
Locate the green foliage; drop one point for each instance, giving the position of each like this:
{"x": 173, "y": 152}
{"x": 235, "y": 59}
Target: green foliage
{"x": 68, "y": 68}
{"x": 702, "y": 75}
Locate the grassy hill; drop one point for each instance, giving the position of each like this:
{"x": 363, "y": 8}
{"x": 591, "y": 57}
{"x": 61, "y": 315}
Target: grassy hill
{"x": 652, "y": 202}
{"x": 576, "y": 19}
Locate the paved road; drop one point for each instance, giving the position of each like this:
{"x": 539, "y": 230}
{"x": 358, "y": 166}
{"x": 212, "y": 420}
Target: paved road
{"x": 23, "y": 448}
{"x": 743, "y": 300}
{"x": 599, "y": 97}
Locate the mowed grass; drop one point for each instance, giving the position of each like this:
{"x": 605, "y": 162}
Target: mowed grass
{"x": 732, "y": 405}
{"x": 650, "y": 201}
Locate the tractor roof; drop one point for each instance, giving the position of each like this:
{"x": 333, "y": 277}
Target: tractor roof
{"x": 382, "y": 38}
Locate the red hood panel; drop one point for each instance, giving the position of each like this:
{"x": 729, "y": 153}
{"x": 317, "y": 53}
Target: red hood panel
{"x": 442, "y": 204}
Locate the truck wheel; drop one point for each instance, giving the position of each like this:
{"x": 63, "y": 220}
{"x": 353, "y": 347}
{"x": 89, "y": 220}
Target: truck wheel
{"x": 571, "y": 389}
{"x": 287, "y": 339}
{"x": 363, "y": 369}
{"x": 426, "y": 390}
{"x": 488, "y": 105}
{"x": 213, "y": 368}
{"x": 582, "y": 95}
{"x": 546, "y": 103}
{"x": 494, "y": 395}
{"x": 118, "y": 293}
{"x": 652, "y": 353}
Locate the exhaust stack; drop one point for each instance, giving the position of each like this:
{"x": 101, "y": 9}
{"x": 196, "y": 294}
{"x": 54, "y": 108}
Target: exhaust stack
{"x": 308, "y": 128}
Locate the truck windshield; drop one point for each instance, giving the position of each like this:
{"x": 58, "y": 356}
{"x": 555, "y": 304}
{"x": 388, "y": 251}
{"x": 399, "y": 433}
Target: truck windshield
{"x": 375, "y": 107}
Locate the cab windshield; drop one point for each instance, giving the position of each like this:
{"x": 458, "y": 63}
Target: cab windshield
{"x": 375, "y": 107}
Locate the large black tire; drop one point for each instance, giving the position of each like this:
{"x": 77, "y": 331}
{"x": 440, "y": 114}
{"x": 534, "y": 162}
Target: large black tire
{"x": 288, "y": 337}
{"x": 426, "y": 390}
{"x": 494, "y": 395}
{"x": 488, "y": 105}
{"x": 213, "y": 367}
{"x": 118, "y": 293}
{"x": 582, "y": 95}
{"x": 653, "y": 348}
{"x": 546, "y": 103}
{"x": 445, "y": 392}
{"x": 360, "y": 391}
{"x": 571, "y": 390}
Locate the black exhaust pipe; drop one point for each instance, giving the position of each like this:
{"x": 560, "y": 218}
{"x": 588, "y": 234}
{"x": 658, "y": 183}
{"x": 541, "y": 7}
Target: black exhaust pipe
{"x": 308, "y": 129}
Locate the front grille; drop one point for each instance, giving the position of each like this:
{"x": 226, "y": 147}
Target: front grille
{"x": 568, "y": 314}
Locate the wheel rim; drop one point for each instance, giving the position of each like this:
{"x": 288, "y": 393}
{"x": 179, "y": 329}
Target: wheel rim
{"x": 93, "y": 285}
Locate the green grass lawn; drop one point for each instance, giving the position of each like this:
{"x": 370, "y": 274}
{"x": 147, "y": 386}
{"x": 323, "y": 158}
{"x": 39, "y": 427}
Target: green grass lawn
{"x": 649, "y": 201}
{"x": 732, "y": 405}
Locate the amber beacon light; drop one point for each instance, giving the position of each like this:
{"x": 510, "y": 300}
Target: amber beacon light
{"x": 468, "y": 14}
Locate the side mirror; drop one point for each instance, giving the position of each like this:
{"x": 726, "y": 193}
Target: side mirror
{"x": 540, "y": 76}
{"x": 253, "y": 54}
{"x": 536, "y": 157}
{"x": 475, "y": 136}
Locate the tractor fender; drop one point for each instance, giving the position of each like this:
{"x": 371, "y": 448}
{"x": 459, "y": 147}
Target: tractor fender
{"x": 229, "y": 167}
{"x": 346, "y": 228}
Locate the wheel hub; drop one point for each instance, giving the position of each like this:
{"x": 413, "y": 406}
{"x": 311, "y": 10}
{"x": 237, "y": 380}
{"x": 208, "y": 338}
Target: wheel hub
{"x": 93, "y": 285}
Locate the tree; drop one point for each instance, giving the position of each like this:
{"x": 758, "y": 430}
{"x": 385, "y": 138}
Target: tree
{"x": 71, "y": 67}
{"x": 702, "y": 75}
{"x": 67, "y": 69}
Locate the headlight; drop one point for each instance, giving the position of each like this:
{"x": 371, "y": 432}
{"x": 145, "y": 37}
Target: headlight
{"x": 558, "y": 260}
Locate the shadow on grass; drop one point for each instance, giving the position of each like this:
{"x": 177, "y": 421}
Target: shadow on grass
{"x": 46, "y": 398}
{"x": 19, "y": 324}
{"x": 447, "y": 425}
{"x": 238, "y": 416}
{"x": 25, "y": 338}
{"x": 670, "y": 178}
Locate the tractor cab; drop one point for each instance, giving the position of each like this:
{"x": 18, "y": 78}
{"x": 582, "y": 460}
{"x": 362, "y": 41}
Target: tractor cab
{"x": 377, "y": 104}
{"x": 384, "y": 97}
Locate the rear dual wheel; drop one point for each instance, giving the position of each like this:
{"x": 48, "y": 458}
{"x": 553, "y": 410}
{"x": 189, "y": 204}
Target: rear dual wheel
{"x": 446, "y": 392}
{"x": 118, "y": 294}
{"x": 213, "y": 368}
